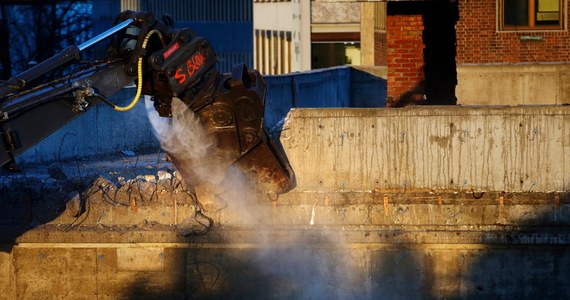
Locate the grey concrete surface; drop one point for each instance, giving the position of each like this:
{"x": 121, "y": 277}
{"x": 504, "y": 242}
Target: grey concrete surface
{"x": 374, "y": 272}
{"x": 511, "y": 149}
{"x": 127, "y": 227}
{"x": 99, "y": 236}
{"x": 522, "y": 84}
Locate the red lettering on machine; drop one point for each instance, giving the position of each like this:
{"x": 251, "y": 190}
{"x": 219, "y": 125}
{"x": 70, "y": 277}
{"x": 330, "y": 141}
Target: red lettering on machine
{"x": 193, "y": 64}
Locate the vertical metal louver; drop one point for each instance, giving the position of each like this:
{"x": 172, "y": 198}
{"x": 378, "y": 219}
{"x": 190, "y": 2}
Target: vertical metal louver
{"x": 228, "y": 24}
{"x": 201, "y": 10}
{"x": 134, "y": 5}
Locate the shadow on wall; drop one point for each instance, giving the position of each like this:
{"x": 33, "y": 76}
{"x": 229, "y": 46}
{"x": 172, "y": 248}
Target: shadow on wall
{"x": 29, "y": 202}
{"x": 415, "y": 96}
{"x": 522, "y": 251}
{"x": 40, "y": 194}
{"x": 234, "y": 273}
{"x": 527, "y": 261}
{"x": 332, "y": 87}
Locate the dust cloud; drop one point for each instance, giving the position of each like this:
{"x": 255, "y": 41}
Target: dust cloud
{"x": 304, "y": 262}
{"x": 191, "y": 146}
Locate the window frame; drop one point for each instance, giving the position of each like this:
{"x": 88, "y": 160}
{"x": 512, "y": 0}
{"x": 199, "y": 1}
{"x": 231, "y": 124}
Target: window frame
{"x": 532, "y": 26}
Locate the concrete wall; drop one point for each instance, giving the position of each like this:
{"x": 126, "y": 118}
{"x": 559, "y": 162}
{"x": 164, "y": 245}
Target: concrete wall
{"x": 335, "y": 13}
{"x": 226, "y": 271}
{"x": 524, "y": 84}
{"x": 374, "y": 216}
{"x": 450, "y": 148}
{"x": 305, "y": 245}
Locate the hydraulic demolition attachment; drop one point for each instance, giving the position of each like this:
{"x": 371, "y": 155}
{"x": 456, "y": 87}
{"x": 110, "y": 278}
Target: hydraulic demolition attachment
{"x": 164, "y": 63}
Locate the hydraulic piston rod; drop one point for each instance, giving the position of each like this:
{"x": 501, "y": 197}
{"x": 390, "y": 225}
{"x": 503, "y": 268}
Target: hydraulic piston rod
{"x": 67, "y": 55}
{"x": 107, "y": 33}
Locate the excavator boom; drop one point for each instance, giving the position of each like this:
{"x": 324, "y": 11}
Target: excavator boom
{"x": 165, "y": 63}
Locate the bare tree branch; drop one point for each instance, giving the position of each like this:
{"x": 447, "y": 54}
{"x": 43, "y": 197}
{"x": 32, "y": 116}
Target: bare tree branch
{"x": 39, "y": 29}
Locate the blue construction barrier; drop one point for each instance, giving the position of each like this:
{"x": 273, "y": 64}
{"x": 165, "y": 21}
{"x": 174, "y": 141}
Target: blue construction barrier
{"x": 332, "y": 87}
{"x": 99, "y": 131}
{"x": 104, "y": 131}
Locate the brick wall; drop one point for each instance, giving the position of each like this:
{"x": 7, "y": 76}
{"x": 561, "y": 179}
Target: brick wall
{"x": 405, "y": 53}
{"x": 478, "y": 41}
{"x": 380, "y": 48}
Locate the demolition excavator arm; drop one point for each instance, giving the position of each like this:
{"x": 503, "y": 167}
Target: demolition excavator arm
{"x": 164, "y": 63}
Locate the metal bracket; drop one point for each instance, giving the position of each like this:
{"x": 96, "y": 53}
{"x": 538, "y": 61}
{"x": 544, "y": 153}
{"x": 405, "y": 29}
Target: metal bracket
{"x": 81, "y": 104}
{"x": 12, "y": 139}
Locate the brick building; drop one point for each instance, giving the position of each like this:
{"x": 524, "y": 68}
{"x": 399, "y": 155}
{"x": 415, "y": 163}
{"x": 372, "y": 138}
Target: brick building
{"x": 476, "y": 52}
{"x": 485, "y": 36}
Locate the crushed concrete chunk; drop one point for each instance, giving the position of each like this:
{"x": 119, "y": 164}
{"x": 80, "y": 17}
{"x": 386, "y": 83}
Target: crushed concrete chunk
{"x": 163, "y": 175}
{"x": 150, "y": 178}
{"x": 121, "y": 180}
{"x": 104, "y": 183}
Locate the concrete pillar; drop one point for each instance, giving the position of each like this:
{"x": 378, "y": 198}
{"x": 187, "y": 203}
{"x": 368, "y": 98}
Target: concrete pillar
{"x": 305, "y": 34}
{"x": 367, "y": 34}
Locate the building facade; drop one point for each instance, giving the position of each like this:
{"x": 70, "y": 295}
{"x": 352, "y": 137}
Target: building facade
{"x": 282, "y": 36}
{"x": 335, "y": 34}
{"x": 513, "y": 52}
{"x": 300, "y": 35}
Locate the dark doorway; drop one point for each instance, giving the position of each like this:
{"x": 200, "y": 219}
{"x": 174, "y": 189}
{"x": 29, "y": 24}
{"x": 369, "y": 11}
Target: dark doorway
{"x": 439, "y": 38}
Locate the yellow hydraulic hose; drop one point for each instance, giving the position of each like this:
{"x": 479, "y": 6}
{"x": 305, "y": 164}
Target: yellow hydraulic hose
{"x": 140, "y": 73}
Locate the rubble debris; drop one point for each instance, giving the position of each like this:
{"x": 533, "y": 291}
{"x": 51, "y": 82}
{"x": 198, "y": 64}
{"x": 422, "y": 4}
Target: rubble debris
{"x": 150, "y": 178}
{"x": 163, "y": 175}
{"x": 75, "y": 206}
{"x": 198, "y": 224}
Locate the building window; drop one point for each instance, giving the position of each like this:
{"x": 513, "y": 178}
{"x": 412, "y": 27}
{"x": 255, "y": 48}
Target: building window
{"x": 329, "y": 49}
{"x": 331, "y": 54}
{"x": 532, "y": 14}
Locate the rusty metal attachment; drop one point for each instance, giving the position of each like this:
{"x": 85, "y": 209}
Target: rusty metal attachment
{"x": 235, "y": 117}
